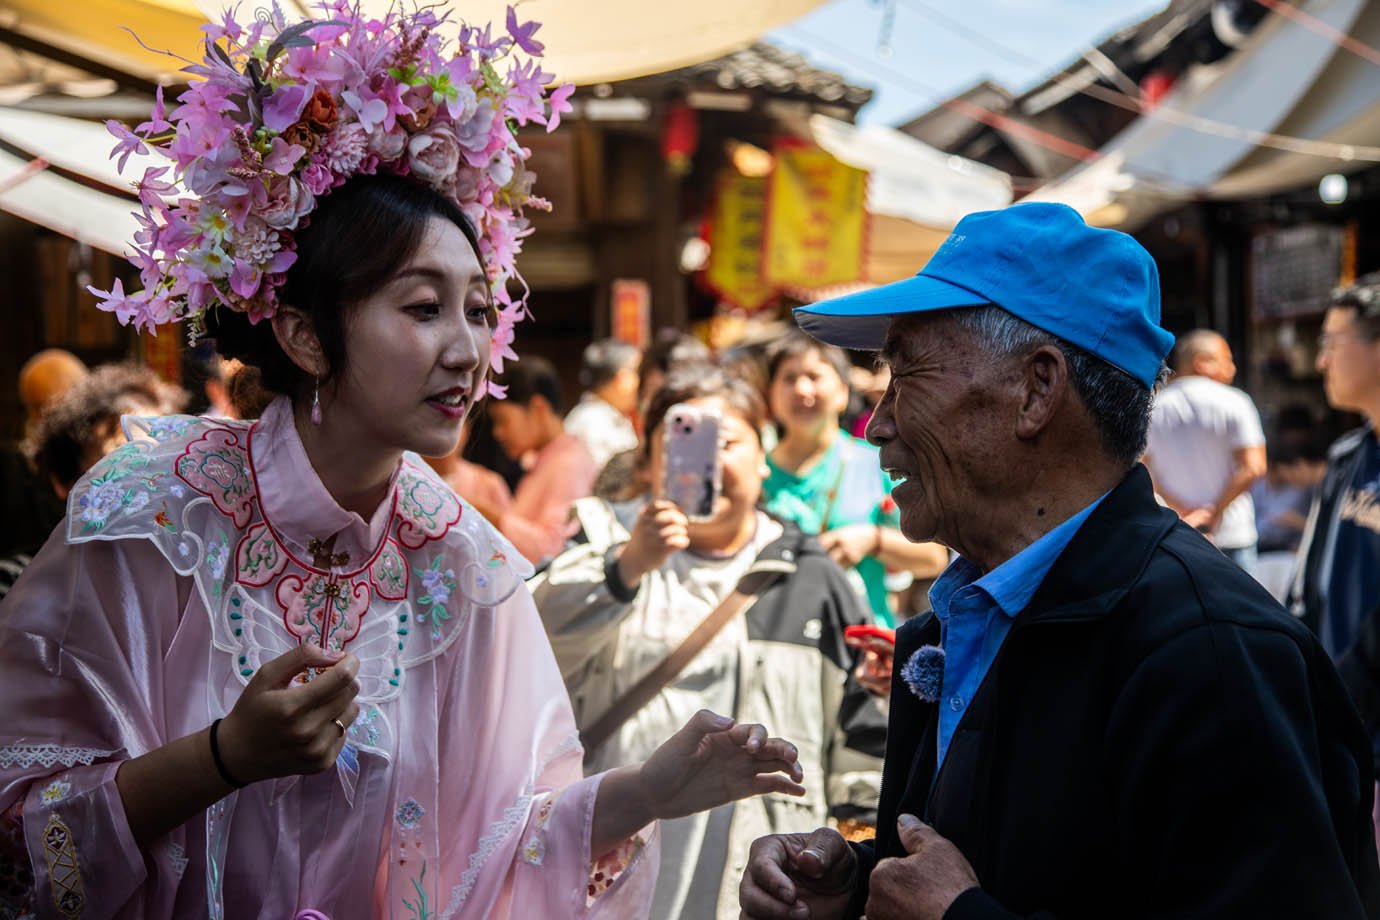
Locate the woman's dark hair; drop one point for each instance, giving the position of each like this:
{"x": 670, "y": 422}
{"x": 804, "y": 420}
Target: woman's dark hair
{"x": 358, "y": 237}
{"x": 795, "y": 344}
{"x": 702, "y": 382}
{"x": 88, "y": 412}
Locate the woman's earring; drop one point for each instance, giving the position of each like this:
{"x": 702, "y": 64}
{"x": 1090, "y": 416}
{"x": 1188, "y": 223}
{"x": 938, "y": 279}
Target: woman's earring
{"x": 316, "y": 403}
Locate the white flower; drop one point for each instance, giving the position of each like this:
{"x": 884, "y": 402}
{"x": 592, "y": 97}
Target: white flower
{"x": 434, "y": 154}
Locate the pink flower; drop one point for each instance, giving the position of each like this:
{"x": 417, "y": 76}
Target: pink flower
{"x": 345, "y": 147}
{"x": 434, "y": 154}
{"x": 559, "y": 100}
{"x": 282, "y": 157}
{"x": 387, "y": 145}
{"x": 288, "y": 201}
{"x": 125, "y": 308}
{"x": 317, "y": 177}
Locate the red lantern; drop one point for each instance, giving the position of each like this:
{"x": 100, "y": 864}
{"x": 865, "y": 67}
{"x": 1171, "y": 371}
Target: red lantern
{"x": 1154, "y": 86}
{"x": 680, "y": 136}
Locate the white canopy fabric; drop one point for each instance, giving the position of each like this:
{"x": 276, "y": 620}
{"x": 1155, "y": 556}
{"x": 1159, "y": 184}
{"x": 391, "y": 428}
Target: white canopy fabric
{"x": 1286, "y": 80}
{"x": 102, "y": 218}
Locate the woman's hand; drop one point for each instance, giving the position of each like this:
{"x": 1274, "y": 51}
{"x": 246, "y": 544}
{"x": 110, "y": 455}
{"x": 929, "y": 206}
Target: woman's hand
{"x": 661, "y": 530}
{"x": 852, "y": 543}
{"x": 713, "y": 761}
{"x": 282, "y": 726}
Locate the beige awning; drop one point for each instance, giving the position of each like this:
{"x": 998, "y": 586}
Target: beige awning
{"x": 56, "y": 172}
{"x": 587, "y": 41}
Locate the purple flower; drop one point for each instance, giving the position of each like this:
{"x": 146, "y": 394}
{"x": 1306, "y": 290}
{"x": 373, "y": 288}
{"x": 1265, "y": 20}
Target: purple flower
{"x": 924, "y": 672}
{"x": 522, "y": 33}
{"x": 129, "y": 143}
{"x": 285, "y": 106}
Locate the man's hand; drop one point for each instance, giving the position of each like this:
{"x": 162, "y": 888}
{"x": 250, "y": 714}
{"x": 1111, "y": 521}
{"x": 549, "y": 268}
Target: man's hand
{"x": 798, "y": 877}
{"x": 921, "y": 885}
{"x": 1203, "y": 520}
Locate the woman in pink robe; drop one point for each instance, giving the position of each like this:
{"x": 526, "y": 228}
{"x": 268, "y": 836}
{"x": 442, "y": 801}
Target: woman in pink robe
{"x": 393, "y": 736}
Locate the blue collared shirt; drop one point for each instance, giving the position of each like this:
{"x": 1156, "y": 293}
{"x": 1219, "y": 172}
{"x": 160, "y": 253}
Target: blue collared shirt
{"x": 976, "y": 611}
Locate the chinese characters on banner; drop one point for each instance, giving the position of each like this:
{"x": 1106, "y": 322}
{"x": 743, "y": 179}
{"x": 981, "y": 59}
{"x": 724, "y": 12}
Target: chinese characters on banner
{"x": 631, "y": 300}
{"x": 735, "y": 270}
{"x": 816, "y": 219}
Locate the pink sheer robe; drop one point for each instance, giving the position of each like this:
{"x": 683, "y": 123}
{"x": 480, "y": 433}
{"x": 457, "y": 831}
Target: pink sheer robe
{"x": 183, "y": 566}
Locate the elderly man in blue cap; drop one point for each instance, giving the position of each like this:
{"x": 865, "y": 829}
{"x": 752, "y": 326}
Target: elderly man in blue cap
{"x": 1103, "y": 717}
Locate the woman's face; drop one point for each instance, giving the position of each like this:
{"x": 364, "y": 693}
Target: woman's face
{"x": 807, "y": 393}
{"x": 742, "y": 462}
{"x": 418, "y": 350}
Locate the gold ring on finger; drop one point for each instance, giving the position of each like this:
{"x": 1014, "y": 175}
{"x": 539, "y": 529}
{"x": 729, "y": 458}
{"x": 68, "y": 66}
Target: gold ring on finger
{"x": 340, "y": 725}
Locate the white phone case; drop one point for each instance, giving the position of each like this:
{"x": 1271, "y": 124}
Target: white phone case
{"x": 692, "y": 473}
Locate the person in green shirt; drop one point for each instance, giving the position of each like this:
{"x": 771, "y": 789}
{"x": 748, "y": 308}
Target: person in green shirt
{"x": 829, "y": 482}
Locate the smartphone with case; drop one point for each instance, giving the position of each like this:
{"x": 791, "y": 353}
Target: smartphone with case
{"x": 692, "y": 472}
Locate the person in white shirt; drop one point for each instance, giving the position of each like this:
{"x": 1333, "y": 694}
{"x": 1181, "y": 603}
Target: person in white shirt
{"x": 602, "y": 420}
{"x": 1206, "y": 446}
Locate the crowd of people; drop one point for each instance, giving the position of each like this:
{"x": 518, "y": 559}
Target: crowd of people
{"x": 970, "y": 624}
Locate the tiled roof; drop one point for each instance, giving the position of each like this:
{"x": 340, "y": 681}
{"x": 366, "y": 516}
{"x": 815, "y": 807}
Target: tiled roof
{"x": 775, "y": 70}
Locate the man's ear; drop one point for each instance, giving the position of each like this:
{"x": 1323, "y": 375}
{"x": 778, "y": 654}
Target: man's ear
{"x": 297, "y": 337}
{"x": 1044, "y": 385}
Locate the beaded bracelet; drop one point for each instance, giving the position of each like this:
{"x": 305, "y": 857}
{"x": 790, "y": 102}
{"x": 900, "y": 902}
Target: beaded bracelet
{"x": 220, "y": 764}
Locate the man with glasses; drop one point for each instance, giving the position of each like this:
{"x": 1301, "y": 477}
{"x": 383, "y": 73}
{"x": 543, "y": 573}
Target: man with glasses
{"x": 1337, "y": 590}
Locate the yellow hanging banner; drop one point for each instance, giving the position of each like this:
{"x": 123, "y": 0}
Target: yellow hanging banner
{"x": 816, "y": 228}
{"x": 734, "y": 271}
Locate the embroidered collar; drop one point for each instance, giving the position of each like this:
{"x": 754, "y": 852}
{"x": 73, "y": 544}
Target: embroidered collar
{"x": 294, "y": 501}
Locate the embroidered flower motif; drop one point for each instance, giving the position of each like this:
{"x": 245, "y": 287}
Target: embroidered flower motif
{"x": 924, "y": 672}
{"x": 410, "y": 814}
{"x": 439, "y": 585}
{"x": 365, "y": 727}
{"x": 99, "y": 502}
{"x": 168, "y": 427}
{"x": 428, "y": 509}
{"x": 137, "y": 502}
{"x": 177, "y": 490}
{"x": 184, "y": 548}
{"x": 54, "y": 792}
{"x": 218, "y": 557}
{"x": 534, "y": 851}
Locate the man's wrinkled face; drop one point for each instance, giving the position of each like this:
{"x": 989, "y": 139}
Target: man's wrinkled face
{"x": 943, "y": 428}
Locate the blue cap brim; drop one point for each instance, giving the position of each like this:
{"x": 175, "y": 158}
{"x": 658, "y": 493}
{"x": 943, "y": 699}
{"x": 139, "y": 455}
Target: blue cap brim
{"x": 859, "y": 321}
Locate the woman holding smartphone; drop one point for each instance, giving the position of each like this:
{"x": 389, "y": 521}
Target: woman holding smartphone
{"x": 646, "y": 578}
{"x": 277, "y": 669}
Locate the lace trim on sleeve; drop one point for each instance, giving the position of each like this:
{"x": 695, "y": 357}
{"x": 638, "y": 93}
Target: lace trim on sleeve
{"x": 49, "y": 755}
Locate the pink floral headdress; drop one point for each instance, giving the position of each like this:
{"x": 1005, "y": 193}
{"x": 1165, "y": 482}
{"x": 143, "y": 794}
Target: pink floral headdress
{"x": 284, "y": 113}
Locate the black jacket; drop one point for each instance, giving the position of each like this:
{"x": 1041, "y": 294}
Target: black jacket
{"x": 1156, "y": 738}
{"x": 1359, "y": 664}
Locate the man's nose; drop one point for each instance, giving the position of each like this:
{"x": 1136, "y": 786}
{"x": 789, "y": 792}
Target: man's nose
{"x": 881, "y": 427}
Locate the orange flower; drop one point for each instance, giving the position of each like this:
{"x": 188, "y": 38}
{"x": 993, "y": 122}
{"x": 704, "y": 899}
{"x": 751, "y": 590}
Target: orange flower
{"x": 320, "y": 112}
{"x": 301, "y": 135}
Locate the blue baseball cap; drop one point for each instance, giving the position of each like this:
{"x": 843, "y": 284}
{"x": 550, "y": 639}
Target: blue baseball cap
{"x": 1094, "y": 288}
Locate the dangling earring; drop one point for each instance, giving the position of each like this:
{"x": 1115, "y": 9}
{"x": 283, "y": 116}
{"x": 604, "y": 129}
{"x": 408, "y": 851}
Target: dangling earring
{"x": 316, "y": 403}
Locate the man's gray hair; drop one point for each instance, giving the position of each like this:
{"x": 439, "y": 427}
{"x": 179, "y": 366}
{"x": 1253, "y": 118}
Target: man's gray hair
{"x": 1118, "y": 403}
{"x": 602, "y": 360}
